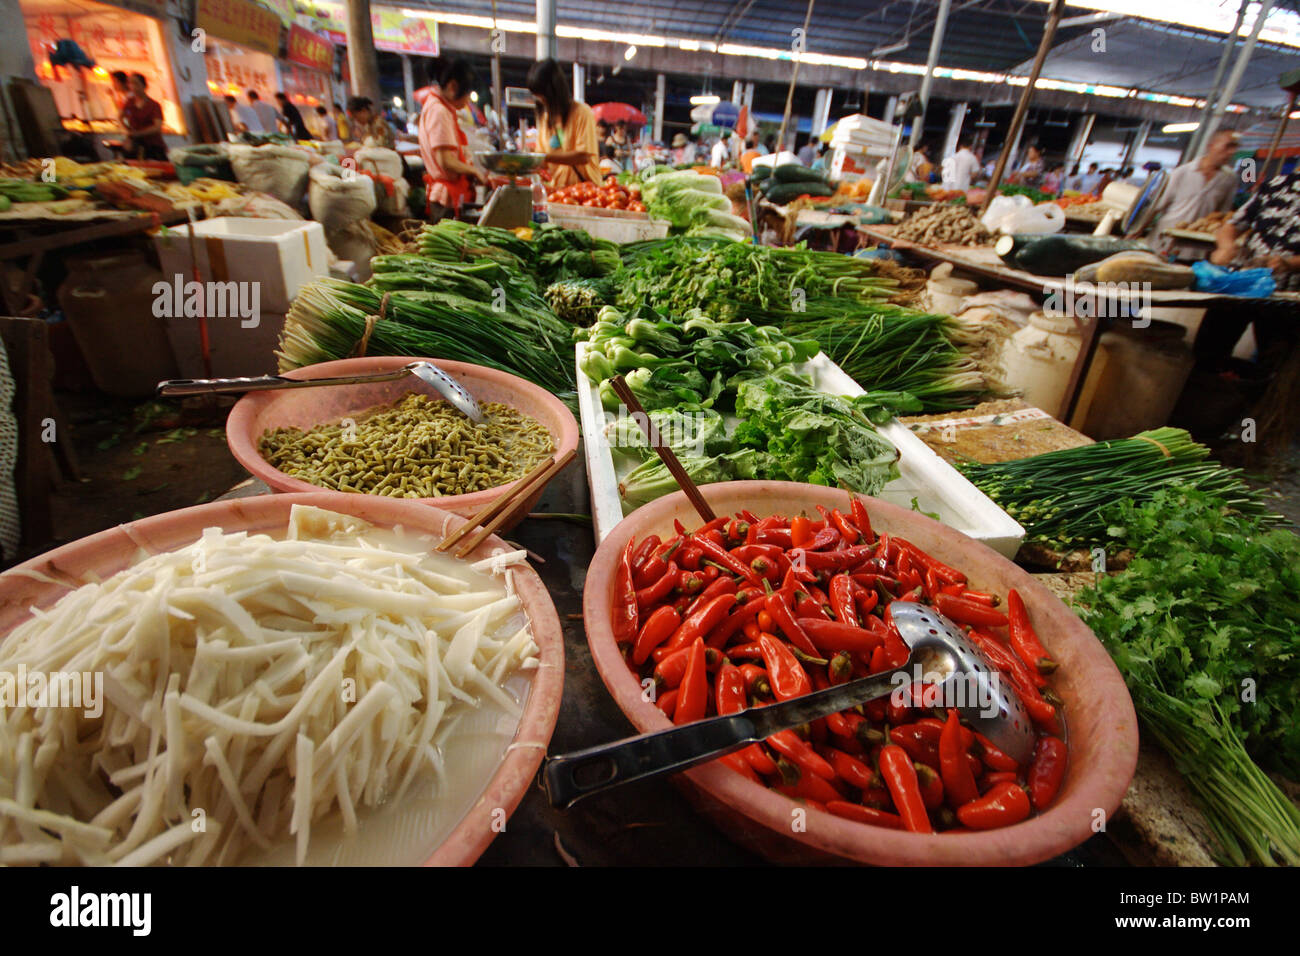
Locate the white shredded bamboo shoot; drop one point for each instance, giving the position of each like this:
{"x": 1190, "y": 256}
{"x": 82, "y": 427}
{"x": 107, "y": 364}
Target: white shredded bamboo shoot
{"x": 249, "y": 688}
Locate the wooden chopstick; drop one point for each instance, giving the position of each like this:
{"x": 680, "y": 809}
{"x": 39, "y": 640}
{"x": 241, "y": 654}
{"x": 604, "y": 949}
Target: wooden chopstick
{"x": 515, "y": 502}
{"x": 494, "y": 506}
{"x": 665, "y": 453}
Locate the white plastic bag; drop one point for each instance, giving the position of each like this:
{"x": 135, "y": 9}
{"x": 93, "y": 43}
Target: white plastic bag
{"x": 338, "y": 198}
{"x": 276, "y": 170}
{"x": 1017, "y": 215}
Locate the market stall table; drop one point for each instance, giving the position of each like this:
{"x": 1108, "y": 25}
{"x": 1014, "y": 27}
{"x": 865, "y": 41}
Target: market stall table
{"x": 983, "y": 261}
{"x": 647, "y": 824}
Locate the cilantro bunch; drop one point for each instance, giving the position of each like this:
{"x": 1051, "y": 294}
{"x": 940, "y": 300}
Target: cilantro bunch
{"x": 1205, "y": 627}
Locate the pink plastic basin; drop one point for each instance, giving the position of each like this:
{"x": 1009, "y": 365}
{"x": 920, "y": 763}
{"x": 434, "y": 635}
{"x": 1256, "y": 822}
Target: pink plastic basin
{"x": 1100, "y": 721}
{"x": 108, "y": 552}
{"x": 259, "y": 412}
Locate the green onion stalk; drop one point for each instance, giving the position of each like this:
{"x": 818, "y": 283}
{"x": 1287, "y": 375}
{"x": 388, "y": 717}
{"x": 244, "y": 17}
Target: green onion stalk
{"x": 1059, "y": 496}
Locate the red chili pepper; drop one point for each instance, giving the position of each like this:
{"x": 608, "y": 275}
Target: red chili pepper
{"x": 958, "y": 781}
{"x": 797, "y": 750}
{"x": 841, "y": 595}
{"x": 717, "y": 524}
{"x": 861, "y": 814}
{"x": 667, "y": 703}
{"x": 1023, "y": 638}
{"x": 737, "y": 530}
{"x": 723, "y": 557}
{"x": 709, "y": 572}
{"x": 689, "y": 582}
{"x": 738, "y": 763}
{"x": 900, "y": 777}
{"x": 740, "y": 617}
{"x": 979, "y": 597}
{"x": 625, "y": 609}
{"x": 994, "y": 777}
{"x": 800, "y": 531}
{"x": 879, "y": 664}
{"x": 780, "y": 537}
{"x": 784, "y": 672}
{"x": 1004, "y": 805}
{"x": 1046, "y": 771}
{"x": 812, "y": 790}
{"x": 992, "y": 757}
{"x": 931, "y": 784}
{"x": 651, "y": 571}
{"x": 807, "y": 605}
{"x": 671, "y": 668}
{"x": 824, "y": 539}
{"x": 840, "y": 669}
{"x": 643, "y": 552}
{"x": 904, "y": 564}
{"x": 845, "y": 527}
{"x": 861, "y": 519}
{"x": 747, "y": 515}
{"x": 658, "y": 627}
{"x": 853, "y": 771}
{"x": 1002, "y": 657}
{"x": 648, "y": 597}
{"x": 968, "y": 612}
{"x": 921, "y": 744}
{"x": 702, "y": 621}
{"x": 755, "y": 680}
{"x": 784, "y": 619}
{"x": 689, "y": 557}
{"x": 829, "y": 560}
{"x": 831, "y": 636}
{"x": 716, "y": 587}
{"x": 745, "y": 652}
{"x": 693, "y": 700}
{"x": 941, "y": 571}
{"x": 896, "y": 649}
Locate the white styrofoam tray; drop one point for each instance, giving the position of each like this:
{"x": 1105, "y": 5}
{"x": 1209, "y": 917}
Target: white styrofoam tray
{"x": 937, "y": 487}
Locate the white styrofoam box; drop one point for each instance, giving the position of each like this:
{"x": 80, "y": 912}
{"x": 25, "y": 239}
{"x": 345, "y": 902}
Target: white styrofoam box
{"x": 282, "y": 255}
{"x": 861, "y": 123}
{"x": 779, "y": 159}
{"x": 613, "y": 228}
{"x": 236, "y": 351}
{"x": 924, "y": 477}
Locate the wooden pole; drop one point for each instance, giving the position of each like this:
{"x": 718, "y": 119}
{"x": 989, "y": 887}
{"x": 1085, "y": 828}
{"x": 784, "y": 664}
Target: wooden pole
{"x": 363, "y": 62}
{"x": 794, "y": 75}
{"x": 1277, "y": 138}
{"x": 1022, "y": 108}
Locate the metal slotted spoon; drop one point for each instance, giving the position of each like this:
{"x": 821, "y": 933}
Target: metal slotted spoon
{"x": 940, "y": 656}
{"x": 427, "y": 372}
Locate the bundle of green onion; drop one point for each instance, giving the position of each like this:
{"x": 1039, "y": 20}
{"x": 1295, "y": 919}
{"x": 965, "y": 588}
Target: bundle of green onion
{"x": 453, "y": 241}
{"x": 330, "y": 318}
{"x": 1059, "y": 496}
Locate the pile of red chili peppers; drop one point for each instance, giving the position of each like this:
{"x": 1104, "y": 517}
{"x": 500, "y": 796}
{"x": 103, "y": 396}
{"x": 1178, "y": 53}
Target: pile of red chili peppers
{"x": 747, "y": 611}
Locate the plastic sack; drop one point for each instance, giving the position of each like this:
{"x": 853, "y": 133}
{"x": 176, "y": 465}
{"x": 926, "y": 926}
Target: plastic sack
{"x": 1251, "y": 283}
{"x": 377, "y": 159}
{"x": 1017, "y": 215}
{"x": 254, "y": 206}
{"x": 338, "y": 198}
{"x": 277, "y": 170}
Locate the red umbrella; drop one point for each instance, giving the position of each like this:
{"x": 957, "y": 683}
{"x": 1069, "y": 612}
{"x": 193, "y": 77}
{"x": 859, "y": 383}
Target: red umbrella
{"x": 615, "y": 112}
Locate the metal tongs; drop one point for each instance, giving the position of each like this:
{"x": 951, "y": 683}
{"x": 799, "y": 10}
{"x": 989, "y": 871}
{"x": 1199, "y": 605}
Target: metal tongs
{"x": 426, "y": 372}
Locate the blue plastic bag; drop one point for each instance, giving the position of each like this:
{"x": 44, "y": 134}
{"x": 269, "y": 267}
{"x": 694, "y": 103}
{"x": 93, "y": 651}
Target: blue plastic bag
{"x": 1251, "y": 283}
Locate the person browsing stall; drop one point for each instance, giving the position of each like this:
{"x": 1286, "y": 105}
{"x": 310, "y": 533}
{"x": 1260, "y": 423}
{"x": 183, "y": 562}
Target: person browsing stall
{"x": 1203, "y": 186}
{"x": 367, "y": 125}
{"x": 142, "y": 118}
{"x": 292, "y": 118}
{"x": 566, "y": 130}
{"x": 449, "y": 175}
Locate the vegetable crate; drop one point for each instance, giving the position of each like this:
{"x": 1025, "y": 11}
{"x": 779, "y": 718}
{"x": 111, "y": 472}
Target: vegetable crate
{"x": 926, "y": 482}
{"x": 608, "y": 224}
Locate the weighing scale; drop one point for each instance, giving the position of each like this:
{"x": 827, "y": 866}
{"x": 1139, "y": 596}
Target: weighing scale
{"x": 510, "y": 205}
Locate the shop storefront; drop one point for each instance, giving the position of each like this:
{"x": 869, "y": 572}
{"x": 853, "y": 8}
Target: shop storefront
{"x": 306, "y": 73}
{"x": 241, "y": 41}
{"x": 78, "y": 44}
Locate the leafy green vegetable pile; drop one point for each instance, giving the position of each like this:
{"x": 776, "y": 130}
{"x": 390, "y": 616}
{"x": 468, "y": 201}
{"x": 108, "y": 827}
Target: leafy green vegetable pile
{"x": 685, "y": 373}
{"x": 836, "y": 299}
{"x": 693, "y": 203}
{"x": 1205, "y": 627}
{"x": 554, "y": 254}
